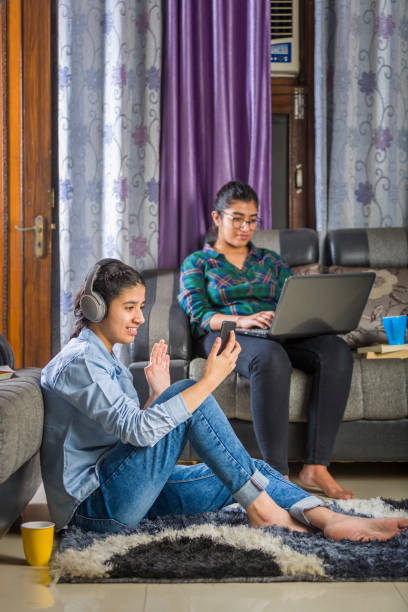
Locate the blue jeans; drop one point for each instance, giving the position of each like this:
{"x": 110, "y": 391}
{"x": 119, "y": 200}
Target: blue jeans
{"x": 268, "y": 365}
{"x": 146, "y": 482}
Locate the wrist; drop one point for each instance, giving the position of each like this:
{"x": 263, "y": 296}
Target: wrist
{"x": 208, "y": 382}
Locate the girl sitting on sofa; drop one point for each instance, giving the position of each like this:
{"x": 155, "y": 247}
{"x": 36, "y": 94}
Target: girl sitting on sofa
{"x": 108, "y": 462}
{"x": 232, "y": 279}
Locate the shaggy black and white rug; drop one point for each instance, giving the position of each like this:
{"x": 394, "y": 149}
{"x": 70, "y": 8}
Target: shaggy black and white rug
{"x": 220, "y": 547}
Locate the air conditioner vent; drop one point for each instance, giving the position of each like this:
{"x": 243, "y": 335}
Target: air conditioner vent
{"x": 285, "y": 59}
{"x": 281, "y": 19}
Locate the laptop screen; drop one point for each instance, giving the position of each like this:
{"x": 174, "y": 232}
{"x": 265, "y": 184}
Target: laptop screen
{"x": 321, "y": 304}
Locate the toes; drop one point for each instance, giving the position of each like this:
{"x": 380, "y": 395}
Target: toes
{"x": 346, "y": 495}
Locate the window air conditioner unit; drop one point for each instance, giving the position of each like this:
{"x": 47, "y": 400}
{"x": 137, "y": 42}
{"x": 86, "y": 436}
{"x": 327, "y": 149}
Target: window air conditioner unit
{"x": 285, "y": 59}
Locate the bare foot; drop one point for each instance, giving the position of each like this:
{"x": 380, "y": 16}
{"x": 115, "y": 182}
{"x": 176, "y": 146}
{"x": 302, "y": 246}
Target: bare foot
{"x": 364, "y": 529}
{"x": 264, "y": 512}
{"x": 337, "y": 526}
{"x": 318, "y": 476}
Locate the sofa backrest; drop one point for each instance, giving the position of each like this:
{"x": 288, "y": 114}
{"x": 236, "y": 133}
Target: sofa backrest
{"x": 384, "y": 250}
{"x": 383, "y": 247}
{"x": 299, "y": 247}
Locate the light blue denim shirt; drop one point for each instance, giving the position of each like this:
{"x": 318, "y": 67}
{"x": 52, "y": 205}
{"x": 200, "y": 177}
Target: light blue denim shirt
{"x": 90, "y": 405}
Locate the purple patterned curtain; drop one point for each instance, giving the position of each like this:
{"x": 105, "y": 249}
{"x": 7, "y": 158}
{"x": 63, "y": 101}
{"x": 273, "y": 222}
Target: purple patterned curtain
{"x": 216, "y": 121}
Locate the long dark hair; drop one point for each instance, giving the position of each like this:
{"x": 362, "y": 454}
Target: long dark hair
{"x": 111, "y": 279}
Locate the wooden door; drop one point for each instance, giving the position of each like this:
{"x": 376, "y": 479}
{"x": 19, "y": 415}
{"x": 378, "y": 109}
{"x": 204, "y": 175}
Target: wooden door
{"x": 26, "y": 178}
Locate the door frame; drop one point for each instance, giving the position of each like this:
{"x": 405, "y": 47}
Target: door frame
{"x": 26, "y": 187}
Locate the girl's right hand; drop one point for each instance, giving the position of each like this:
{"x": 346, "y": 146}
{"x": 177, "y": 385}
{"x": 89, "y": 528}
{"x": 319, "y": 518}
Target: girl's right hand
{"x": 261, "y": 320}
{"x": 218, "y": 367}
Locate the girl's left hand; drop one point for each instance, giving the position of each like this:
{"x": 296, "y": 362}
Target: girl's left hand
{"x": 157, "y": 372}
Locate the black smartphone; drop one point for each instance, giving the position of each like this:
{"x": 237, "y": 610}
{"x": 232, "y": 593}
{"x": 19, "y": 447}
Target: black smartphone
{"x": 226, "y": 328}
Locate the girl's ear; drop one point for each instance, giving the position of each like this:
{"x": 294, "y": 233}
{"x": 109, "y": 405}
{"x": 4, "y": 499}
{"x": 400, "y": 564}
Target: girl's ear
{"x": 215, "y": 217}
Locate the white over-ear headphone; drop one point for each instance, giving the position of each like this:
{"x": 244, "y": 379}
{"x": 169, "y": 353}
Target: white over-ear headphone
{"x": 93, "y": 306}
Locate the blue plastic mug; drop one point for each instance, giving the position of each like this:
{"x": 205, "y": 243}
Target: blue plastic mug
{"x": 395, "y": 329}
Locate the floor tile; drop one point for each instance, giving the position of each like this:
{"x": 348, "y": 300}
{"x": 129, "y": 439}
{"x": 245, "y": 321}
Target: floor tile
{"x": 402, "y": 588}
{"x": 370, "y": 479}
{"x": 24, "y": 588}
{"x": 285, "y": 597}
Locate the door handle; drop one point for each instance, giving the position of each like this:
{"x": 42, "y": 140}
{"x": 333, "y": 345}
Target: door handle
{"x": 39, "y": 227}
{"x": 299, "y": 178}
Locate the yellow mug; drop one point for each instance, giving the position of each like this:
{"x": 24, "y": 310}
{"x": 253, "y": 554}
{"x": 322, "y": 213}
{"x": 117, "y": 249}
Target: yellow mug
{"x": 38, "y": 537}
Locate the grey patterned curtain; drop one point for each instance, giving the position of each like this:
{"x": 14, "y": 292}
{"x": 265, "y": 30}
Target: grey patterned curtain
{"x": 109, "y": 56}
{"x": 361, "y": 92}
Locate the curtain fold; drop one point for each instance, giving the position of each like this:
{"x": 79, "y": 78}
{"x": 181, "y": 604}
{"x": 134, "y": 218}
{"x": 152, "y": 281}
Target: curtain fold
{"x": 216, "y": 118}
{"x": 109, "y": 77}
{"x": 361, "y": 111}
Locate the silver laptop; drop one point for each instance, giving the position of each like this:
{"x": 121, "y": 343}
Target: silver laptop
{"x": 318, "y": 304}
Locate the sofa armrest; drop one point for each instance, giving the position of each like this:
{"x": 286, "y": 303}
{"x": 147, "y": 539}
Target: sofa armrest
{"x": 21, "y": 420}
{"x": 21, "y": 430}
{"x": 164, "y": 318}
{"x": 178, "y": 371}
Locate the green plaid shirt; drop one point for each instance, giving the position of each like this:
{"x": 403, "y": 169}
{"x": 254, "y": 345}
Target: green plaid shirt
{"x": 210, "y": 284}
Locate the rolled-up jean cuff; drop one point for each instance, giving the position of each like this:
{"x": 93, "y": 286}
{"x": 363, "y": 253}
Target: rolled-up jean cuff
{"x": 253, "y": 487}
{"x": 297, "y": 511}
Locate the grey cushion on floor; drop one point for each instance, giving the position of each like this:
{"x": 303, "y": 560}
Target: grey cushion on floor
{"x": 21, "y": 420}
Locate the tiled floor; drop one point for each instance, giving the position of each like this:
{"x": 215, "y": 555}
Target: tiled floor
{"x": 25, "y": 588}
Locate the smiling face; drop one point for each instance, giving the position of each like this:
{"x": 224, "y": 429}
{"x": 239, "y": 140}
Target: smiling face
{"x": 236, "y": 224}
{"x": 124, "y": 317}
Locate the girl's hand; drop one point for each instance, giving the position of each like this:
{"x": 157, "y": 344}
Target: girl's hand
{"x": 261, "y": 320}
{"x": 219, "y": 366}
{"x": 157, "y": 372}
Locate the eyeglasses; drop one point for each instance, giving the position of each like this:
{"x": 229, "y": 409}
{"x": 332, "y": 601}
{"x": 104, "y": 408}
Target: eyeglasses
{"x": 239, "y": 222}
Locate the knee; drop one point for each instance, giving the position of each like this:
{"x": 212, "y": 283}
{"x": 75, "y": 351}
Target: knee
{"x": 210, "y": 403}
{"x": 272, "y": 359}
{"x": 209, "y": 407}
{"x": 337, "y": 354}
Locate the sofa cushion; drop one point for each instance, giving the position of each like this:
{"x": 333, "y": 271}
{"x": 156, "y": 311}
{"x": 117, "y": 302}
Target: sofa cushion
{"x": 385, "y": 388}
{"x": 21, "y": 420}
{"x": 388, "y": 297}
{"x": 233, "y": 394}
{"x": 378, "y": 391}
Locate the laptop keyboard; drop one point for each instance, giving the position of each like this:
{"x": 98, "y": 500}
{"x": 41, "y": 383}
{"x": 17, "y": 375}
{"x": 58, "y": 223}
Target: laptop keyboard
{"x": 260, "y": 333}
